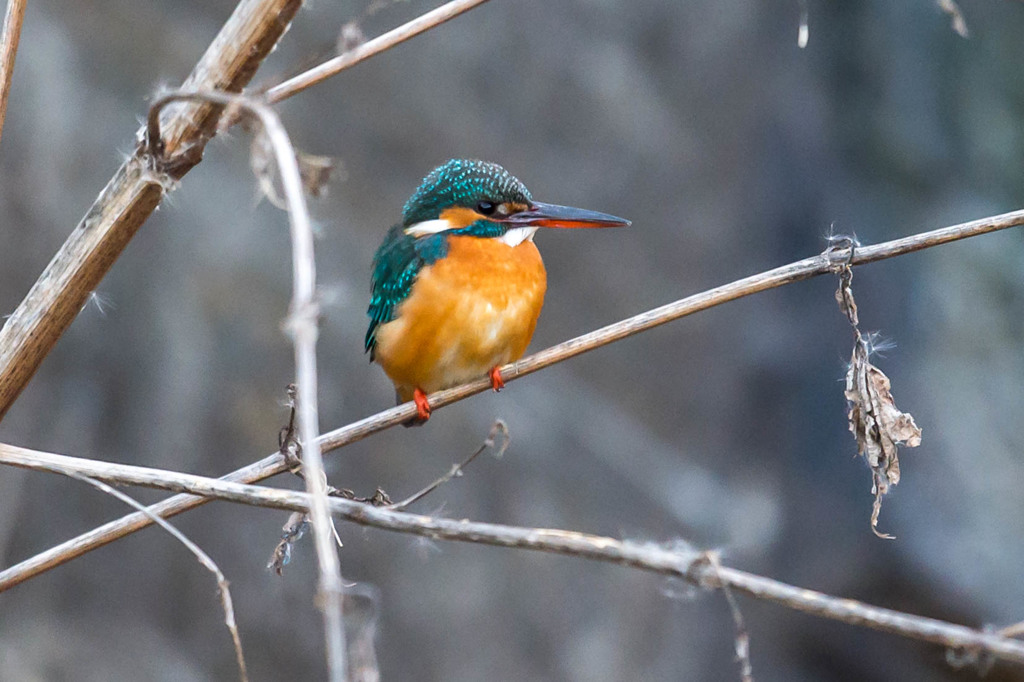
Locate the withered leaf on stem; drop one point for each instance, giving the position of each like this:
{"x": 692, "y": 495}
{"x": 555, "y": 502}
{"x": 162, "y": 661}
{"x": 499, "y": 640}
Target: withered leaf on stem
{"x": 877, "y": 424}
{"x": 315, "y": 171}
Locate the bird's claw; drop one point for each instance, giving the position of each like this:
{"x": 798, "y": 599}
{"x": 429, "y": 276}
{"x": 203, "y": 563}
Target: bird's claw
{"x": 422, "y": 405}
{"x": 497, "y": 383}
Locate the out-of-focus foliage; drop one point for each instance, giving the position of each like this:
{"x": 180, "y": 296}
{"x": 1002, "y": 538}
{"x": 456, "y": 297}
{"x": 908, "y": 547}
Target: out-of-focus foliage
{"x": 730, "y": 148}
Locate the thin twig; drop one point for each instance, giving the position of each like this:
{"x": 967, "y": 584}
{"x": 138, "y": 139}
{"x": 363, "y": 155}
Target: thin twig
{"x": 742, "y": 642}
{"x": 803, "y": 33}
{"x": 301, "y": 325}
{"x": 132, "y": 195}
{"x": 8, "y": 51}
{"x": 203, "y": 557}
{"x": 500, "y": 428}
{"x": 1015, "y": 630}
{"x": 350, "y": 58}
{"x": 356, "y": 431}
{"x": 689, "y": 565}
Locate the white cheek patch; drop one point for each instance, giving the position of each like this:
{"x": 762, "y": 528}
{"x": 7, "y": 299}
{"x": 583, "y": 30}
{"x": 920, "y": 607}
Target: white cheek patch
{"x": 426, "y": 227}
{"x": 518, "y": 235}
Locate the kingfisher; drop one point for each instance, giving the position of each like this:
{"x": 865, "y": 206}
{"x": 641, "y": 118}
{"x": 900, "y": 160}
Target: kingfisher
{"x": 458, "y": 285}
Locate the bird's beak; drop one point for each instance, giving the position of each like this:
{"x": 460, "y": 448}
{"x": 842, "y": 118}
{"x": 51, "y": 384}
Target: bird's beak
{"x": 552, "y": 215}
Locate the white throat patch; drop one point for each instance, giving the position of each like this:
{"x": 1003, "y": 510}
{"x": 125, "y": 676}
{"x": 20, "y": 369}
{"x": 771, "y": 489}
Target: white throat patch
{"x": 518, "y": 235}
{"x": 426, "y": 227}
{"x": 514, "y": 237}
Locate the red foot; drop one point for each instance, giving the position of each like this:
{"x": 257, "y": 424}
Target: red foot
{"x": 497, "y": 383}
{"x": 422, "y": 406}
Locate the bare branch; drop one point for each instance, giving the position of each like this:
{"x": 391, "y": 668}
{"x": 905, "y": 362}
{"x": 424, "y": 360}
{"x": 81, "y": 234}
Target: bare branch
{"x": 956, "y": 17}
{"x": 1015, "y": 630}
{"x": 742, "y": 642}
{"x": 203, "y": 557}
{"x": 689, "y": 565}
{"x": 803, "y": 33}
{"x": 338, "y": 438}
{"x": 348, "y": 59}
{"x": 500, "y": 429}
{"x": 8, "y": 51}
{"x": 133, "y": 194}
{"x": 301, "y": 325}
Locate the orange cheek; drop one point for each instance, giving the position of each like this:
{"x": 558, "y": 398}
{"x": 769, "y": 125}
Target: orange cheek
{"x": 460, "y": 217}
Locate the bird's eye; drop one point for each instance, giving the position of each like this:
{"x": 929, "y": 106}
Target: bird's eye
{"x": 485, "y": 208}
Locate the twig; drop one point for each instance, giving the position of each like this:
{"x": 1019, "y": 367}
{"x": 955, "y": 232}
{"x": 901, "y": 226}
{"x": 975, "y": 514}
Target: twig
{"x": 350, "y": 58}
{"x": 499, "y": 429}
{"x": 1015, "y": 630}
{"x": 203, "y": 557}
{"x": 133, "y": 194}
{"x": 742, "y": 643}
{"x": 301, "y": 325}
{"x": 8, "y": 51}
{"x": 356, "y": 431}
{"x": 803, "y": 34}
{"x": 689, "y": 565}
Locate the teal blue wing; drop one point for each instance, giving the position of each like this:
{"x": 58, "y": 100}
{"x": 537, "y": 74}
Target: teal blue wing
{"x": 395, "y": 266}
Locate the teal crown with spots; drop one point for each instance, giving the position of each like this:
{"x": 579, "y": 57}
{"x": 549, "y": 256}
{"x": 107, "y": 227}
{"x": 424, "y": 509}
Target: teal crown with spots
{"x": 463, "y": 183}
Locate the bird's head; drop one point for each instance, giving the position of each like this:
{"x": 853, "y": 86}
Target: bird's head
{"x": 481, "y": 199}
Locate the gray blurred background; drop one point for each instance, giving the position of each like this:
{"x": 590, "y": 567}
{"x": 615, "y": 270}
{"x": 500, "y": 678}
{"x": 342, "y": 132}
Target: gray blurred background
{"x": 732, "y": 151}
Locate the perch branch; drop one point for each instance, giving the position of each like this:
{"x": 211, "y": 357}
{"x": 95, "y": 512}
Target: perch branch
{"x": 302, "y": 327}
{"x": 690, "y": 565}
{"x": 381, "y": 43}
{"x": 133, "y": 194}
{"x": 275, "y": 463}
{"x": 8, "y": 51}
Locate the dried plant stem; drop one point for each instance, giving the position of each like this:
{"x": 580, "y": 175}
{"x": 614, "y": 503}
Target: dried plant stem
{"x": 275, "y": 463}
{"x": 133, "y": 194}
{"x": 302, "y": 327}
{"x": 350, "y": 58}
{"x": 8, "y": 51}
{"x": 203, "y": 557}
{"x": 741, "y": 643}
{"x": 692, "y": 566}
{"x": 499, "y": 430}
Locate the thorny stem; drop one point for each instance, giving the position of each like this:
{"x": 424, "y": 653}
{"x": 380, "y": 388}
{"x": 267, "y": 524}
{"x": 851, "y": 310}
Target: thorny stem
{"x": 301, "y": 325}
{"x": 276, "y": 464}
{"x": 690, "y": 565}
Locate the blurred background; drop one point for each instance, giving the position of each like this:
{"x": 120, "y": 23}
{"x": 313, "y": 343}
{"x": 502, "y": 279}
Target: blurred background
{"x": 731, "y": 149}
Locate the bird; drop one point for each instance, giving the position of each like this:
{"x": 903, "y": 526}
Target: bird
{"x": 458, "y": 285}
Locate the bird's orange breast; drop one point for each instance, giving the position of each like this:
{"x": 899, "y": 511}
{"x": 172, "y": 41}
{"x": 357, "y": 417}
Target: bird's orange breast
{"x": 468, "y": 312}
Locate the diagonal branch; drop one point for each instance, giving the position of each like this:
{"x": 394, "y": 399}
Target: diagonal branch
{"x": 690, "y": 565}
{"x": 8, "y": 51}
{"x": 204, "y": 559}
{"x": 275, "y": 463}
{"x": 133, "y": 194}
{"x": 350, "y": 58}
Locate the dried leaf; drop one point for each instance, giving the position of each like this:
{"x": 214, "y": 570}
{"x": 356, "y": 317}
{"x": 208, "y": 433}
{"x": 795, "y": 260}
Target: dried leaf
{"x": 877, "y": 424}
{"x": 315, "y": 171}
{"x": 847, "y": 304}
{"x": 292, "y": 531}
{"x": 350, "y": 37}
